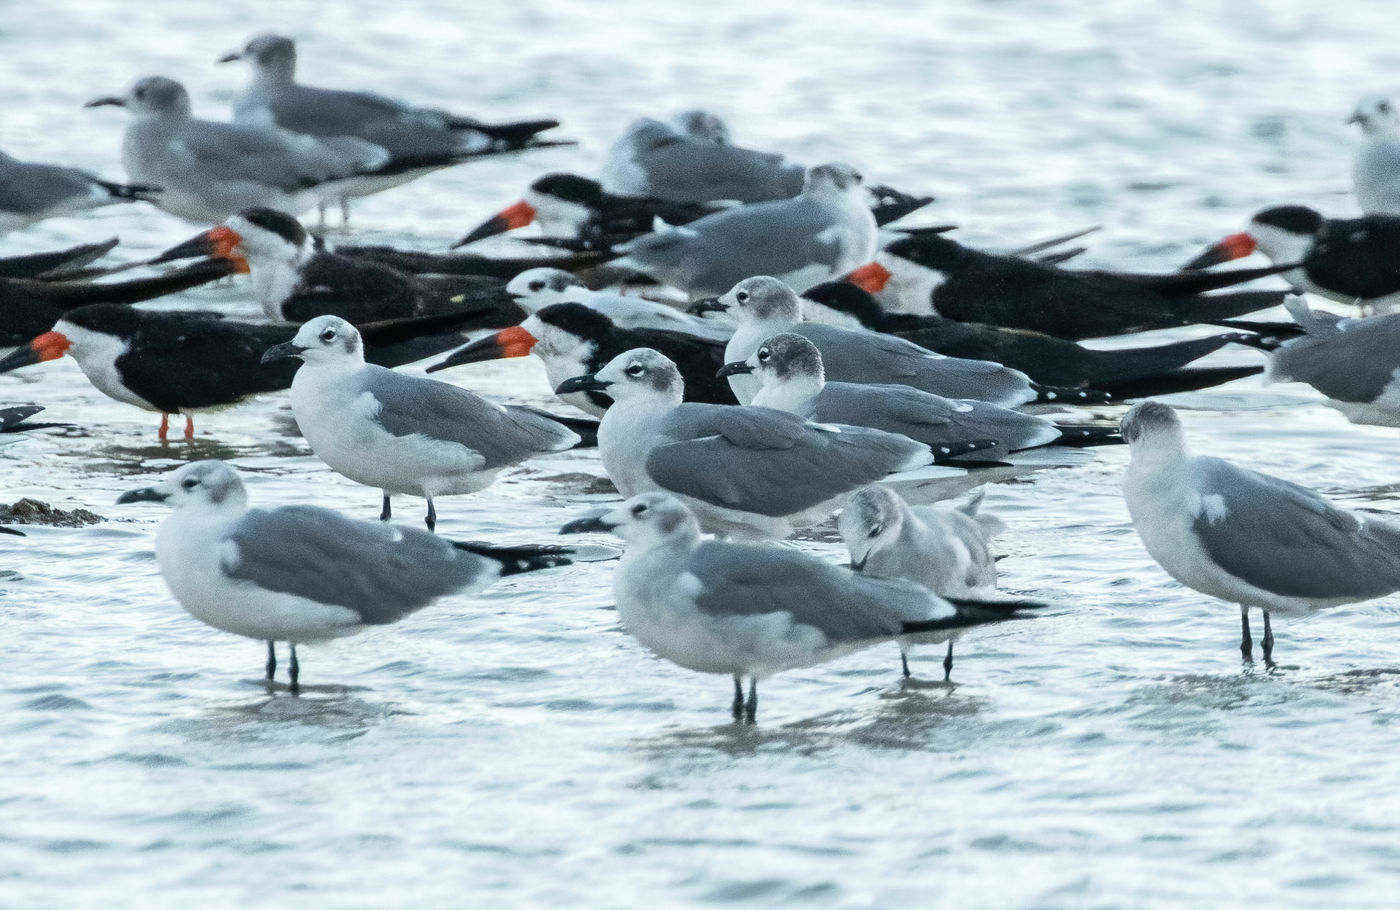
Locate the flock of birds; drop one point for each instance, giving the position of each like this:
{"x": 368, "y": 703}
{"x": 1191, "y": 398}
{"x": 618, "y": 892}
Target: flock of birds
{"x": 752, "y": 349}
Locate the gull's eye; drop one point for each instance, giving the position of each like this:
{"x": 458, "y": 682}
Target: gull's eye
{"x": 856, "y": 176}
{"x": 328, "y": 336}
{"x": 537, "y": 285}
{"x": 742, "y": 296}
{"x": 1383, "y": 107}
{"x": 636, "y": 369}
{"x": 189, "y": 483}
{"x": 764, "y": 355}
{"x": 876, "y": 531}
{"x": 639, "y": 510}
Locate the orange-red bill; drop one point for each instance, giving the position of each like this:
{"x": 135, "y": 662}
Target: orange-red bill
{"x": 871, "y": 277}
{"x": 1236, "y": 246}
{"x": 516, "y": 216}
{"x": 48, "y": 346}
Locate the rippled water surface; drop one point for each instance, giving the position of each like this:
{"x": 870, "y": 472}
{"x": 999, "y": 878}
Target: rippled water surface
{"x": 516, "y": 748}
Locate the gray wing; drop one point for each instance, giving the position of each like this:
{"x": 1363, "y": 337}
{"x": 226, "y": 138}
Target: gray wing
{"x": 931, "y": 419}
{"x": 1355, "y": 363}
{"x": 718, "y": 251}
{"x": 405, "y": 131}
{"x": 746, "y": 579}
{"x": 683, "y": 170}
{"x": 852, "y": 355}
{"x": 501, "y": 435}
{"x": 1287, "y": 539}
{"x": 267, "y": 155}
{"x": 380, "y": 571}
{"x": 769, "y": 462}
{"x": 29, "y": 189}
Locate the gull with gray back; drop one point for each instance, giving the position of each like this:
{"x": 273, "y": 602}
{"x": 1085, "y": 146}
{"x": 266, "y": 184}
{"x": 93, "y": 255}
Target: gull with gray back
{"x": 404, "y": 434}
{"x": 752, "y": 610}
{"x": 304, "y": 574}
{"x": 1245, "y": 537}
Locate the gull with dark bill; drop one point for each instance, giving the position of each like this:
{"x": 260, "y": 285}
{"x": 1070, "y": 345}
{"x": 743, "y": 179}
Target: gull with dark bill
{"x": 745, "y": 471}
{"x": 946, "y": 547}
{"x": 790, "y": 368}
{"x": 1375, "y": 169}
{"x": 752, "y": 610}
{"x": 404, "y": 434}
{"x": 1246, "y": 537}
{"x": 304, "y": 574}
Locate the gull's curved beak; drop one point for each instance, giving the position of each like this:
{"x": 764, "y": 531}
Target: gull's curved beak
{"x": 708, "y": 305}
{"x": 279, "y": 351}
{"x": 106, "y": 100}
{"x": 585, "y": 383}
{"x": 733, "y": 368}
{"x": 230, "y": 57}
{"x": 145, "y": 494}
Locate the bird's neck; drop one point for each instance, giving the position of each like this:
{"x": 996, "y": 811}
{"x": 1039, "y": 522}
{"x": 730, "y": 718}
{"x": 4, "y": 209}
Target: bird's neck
{"x": 795, "y": 396}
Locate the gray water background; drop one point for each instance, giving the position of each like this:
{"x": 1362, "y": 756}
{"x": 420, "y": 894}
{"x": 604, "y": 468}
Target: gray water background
{"x": 516, "y": 748}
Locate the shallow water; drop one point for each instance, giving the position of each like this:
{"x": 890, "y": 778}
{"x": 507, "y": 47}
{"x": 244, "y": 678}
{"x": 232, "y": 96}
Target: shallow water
{"x": 516, "y": 748}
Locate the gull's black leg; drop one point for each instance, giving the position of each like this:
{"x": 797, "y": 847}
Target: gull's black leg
{"x": 1246, "y": 642}
{"x": 295, "y": 669}
{"x": 948, "y": 662}
{"x": 904, "y": 662}
{"x": 387, "y": 512}
{"x": 738, "y": 709}
{"x": 271, "y": 662}
{"x": 431, "y": 520}
{"x": 1268, "y": 640}
{"x": 751, "y": 706}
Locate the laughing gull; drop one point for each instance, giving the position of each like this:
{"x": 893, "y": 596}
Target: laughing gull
{"x": 572, "y": 340}
{"x": 790, "y": 370}
{"x": 824, "y": 232}
{"x": 745, "y": 471}
{"x": 654, "y": 159}
{"x": 1354, "y": 362}
{"x": 419, "y": 140}
{"x": 176, "y": 362}
{"x": 1349, "y": 260}
{"x": 404, "y": 434}
{"x": 946, "y": 547}
{"x": 305, "y": 574}
{"x": 1121, "y": 372}
{"x": 208, "y": 171}
{"x": 31, "y": 192}
{"x": 754, "y": 610}
{"x": 763, "y": 307}
{"x": 1375, "y": 168}
{"x": 296, "y": 279}
{"x": 929, "y": 274}
{"x": 540, "y": 287}
{"x": 1246, "y": 537}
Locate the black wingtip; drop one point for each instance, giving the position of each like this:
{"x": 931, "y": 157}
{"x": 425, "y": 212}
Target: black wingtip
{"x": 525, "y": 558}
{"x": 1083, "y": 436}
{"x": 977, "y": 613}
{"x": 1048, "y": 394}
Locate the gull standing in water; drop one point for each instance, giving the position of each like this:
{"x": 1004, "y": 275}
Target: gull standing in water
{"x": 1246, "y": 537}
{"x": 404, "y": 434}
{"x": 305, "y": 574}
{"x": 752, "y": 610}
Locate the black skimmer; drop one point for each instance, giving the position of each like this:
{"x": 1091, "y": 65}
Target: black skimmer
{"x": 295, "y": 279}
{"x": 928, "y": 273}
{"x": 31, "y": 192}
{"x": 1349, "y": 260}
{"x": 55, "y": 263}
{"x": 29, "y": 307}
{"x": 418, "y": 140}
{"x": 572, "y": 339}
{"x": 187, "y": 362}
{"x": 1121, "y": 372}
